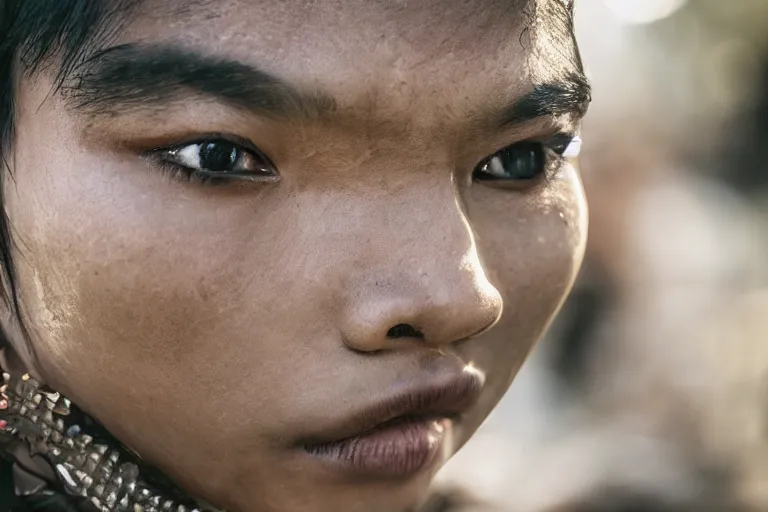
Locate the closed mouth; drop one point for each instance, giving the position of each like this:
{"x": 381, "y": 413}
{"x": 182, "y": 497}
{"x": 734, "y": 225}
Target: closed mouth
{"x": 436, "y": 400}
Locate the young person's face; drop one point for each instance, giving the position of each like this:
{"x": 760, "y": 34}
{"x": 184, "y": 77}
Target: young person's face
{"x": 227, "y": 329}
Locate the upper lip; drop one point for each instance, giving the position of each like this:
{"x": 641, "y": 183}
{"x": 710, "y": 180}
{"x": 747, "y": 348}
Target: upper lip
{"x": 448, "y": 397}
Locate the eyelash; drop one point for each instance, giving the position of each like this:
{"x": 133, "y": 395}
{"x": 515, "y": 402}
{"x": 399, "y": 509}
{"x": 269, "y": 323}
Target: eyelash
{"x": 555, "y": 151}
{"x": 561, "y": 148}
{"x": 179, "y": 172}
{"x": 185, "y": 175}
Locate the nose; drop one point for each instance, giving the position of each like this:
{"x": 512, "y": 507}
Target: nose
{"x": 421, "y": 281}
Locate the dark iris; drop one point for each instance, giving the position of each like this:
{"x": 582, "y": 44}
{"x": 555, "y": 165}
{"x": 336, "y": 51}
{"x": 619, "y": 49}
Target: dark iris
{"x": 521, "y": 161}
{"x": 218, "y": 156}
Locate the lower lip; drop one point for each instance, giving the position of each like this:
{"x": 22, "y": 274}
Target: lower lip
{"x": 393, "y": 450}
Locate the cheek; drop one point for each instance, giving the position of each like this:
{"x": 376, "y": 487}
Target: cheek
{"x": 531, "y": 245}
{"x": 123, "y": 273}
{"x": 129, "y": 287}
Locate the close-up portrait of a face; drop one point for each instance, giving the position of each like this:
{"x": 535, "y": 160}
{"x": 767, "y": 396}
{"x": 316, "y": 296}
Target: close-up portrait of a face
{"x": 274, "y": 255}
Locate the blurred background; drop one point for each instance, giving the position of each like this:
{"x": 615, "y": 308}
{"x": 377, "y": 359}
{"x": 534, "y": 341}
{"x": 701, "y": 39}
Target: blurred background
{"x": 651, "y": 391}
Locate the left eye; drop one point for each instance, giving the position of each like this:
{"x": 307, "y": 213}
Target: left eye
{"x": 219, "y": 158}
{"x": 526, "y": 161}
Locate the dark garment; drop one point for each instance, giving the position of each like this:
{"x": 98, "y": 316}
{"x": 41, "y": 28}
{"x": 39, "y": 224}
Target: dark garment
{"x": 8, "y": 500}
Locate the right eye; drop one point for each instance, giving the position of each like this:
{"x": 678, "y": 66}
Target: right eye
{"x": 216, "y": 159}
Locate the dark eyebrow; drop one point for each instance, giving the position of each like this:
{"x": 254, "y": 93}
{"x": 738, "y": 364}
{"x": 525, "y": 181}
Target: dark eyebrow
{"x": 137, "y": 77}
{"x": 570, "y": 94}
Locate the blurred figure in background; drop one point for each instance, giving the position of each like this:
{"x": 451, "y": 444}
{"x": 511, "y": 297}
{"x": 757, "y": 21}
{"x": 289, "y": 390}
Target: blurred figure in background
{"x": 651, "y": 392}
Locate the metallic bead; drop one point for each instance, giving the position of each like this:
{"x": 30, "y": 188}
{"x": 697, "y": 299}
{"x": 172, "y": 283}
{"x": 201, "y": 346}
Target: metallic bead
{"x": 59, "y": 425}
{"x": 65, "y": 475}
{"x": 61, "y": 410}
{"x": 111, "y": 488}
{"x": 101, "y": 448}
{"x": 155, "y": 501}
{"x": 85, "y": 440}
{"x": 138, "y": 508}
{"x": 98, "y": 490}
{"x": 91, "y": 466}
{"x": 78, "y": 460}
{"x": 129, "y": 471}
{"x": 23, "y": 410}
{"x": 52, "y": 396}
{"x": 37, "y": 398}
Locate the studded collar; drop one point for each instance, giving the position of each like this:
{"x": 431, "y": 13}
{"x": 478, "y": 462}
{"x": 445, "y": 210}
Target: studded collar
{"x": 57, "y": 449}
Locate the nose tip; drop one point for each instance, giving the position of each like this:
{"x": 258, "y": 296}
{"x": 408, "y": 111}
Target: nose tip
{"x": 395, "y": 319}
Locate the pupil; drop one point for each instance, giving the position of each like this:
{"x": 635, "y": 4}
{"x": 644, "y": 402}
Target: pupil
{"x": 524, "y": 162}
{"x": 218, "y": 157}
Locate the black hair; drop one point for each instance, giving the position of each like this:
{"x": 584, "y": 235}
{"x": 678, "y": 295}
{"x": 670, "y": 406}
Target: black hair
{"x": 35, "y": 35}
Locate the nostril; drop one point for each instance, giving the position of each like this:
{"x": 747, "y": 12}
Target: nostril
{"x": 404, "y": 331}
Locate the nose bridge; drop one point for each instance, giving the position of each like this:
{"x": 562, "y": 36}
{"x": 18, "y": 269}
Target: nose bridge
{"x": 422, "y": 281}
{"x": 430, "y": 230}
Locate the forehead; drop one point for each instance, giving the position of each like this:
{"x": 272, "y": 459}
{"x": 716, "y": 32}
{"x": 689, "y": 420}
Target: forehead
{"x": 396, "y": 49}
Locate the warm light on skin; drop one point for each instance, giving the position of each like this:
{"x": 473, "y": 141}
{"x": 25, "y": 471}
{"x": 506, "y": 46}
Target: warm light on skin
{"x": 470, "y": 368}
{"x": 268, "y": 308}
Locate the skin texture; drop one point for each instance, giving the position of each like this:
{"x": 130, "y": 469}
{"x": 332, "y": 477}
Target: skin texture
{"x": 210, "y": 328}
